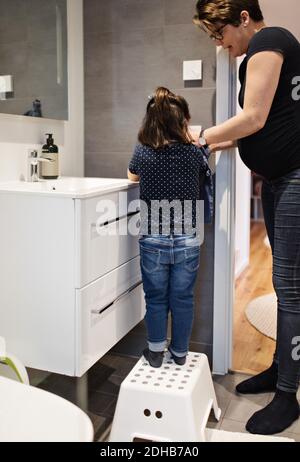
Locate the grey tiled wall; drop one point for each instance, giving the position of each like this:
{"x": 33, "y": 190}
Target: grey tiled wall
{"x": 131, "y": 47}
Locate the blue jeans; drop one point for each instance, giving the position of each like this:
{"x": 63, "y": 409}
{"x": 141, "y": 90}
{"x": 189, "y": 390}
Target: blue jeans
{"x": 169, "y": 267}
{"x": 281, "y": 206}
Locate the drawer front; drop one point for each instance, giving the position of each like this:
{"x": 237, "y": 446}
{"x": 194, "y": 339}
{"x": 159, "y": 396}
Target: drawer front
{"x": 106, "y": 310}
{"x": 104, "y": 241}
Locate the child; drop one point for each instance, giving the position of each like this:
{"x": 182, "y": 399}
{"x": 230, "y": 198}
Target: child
{"x": 170, "y": 169}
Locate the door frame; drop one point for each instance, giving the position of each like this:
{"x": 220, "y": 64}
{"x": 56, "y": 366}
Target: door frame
{"x": 224, "y": 250}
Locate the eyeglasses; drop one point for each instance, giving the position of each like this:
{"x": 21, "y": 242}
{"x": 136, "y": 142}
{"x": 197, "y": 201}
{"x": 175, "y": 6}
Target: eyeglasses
{"x": 217, "y": 35}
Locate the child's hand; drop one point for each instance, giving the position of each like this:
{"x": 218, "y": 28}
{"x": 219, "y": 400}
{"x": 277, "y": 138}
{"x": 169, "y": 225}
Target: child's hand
{"x": 132, "y": 176}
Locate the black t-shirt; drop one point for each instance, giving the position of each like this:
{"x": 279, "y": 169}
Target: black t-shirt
{"x": 274, "y": 150}
{"x": 172, "y": 173}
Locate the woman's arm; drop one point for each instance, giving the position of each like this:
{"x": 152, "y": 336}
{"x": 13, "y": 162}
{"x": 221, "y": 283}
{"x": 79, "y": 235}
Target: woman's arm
{"x": 263, "y": 74}
{"x": 214, "y": 146}
{"x": 132, "y": 176}
{"x": 222, "y": 146}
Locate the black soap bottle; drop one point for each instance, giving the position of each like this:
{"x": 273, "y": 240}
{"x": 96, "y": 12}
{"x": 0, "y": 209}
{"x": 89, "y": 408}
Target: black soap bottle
{"x": 50, "y": 170}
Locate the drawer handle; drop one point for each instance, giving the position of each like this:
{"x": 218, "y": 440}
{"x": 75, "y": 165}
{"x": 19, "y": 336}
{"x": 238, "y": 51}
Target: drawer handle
{"x": 115, "y": 220}
{"x": 128, "y": 291}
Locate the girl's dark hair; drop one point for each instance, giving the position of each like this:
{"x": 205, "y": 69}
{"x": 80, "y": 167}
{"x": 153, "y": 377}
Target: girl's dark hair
{"x": 211, "y": 12}
{"x": 166, "y": 120}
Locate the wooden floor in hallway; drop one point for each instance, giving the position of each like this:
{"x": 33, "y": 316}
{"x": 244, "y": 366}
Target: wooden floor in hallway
{"x": 252, "y": 351}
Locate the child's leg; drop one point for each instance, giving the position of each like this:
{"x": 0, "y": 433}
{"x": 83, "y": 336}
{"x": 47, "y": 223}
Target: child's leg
{"x": 155, "y": 274}
{"x": 183, "y": 275}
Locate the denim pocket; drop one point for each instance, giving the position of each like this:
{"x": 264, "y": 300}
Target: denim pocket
{"x": 150, "y": 259}
{"x": 192, "y": 259}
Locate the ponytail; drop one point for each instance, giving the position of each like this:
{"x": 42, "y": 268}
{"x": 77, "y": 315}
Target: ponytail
{"x": 166, "y": 120}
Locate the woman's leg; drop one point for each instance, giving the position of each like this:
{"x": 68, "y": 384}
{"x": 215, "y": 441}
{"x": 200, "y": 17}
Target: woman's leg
{"x": 284, "y": 408}
{"x": 268, "y": 204}
{"x": 286, "y": 279}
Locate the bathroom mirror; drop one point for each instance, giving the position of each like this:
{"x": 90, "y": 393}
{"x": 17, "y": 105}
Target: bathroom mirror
{"x": 33, "y": 58}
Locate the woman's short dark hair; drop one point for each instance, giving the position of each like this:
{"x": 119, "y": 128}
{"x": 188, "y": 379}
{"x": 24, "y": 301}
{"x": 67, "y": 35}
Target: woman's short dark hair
{"x": 211, "y": 12}
{"x": 166, "y": 120}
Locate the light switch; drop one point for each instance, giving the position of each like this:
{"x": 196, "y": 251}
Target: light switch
{"x": 192, "y": 70}
{"x": 6, "y": 84}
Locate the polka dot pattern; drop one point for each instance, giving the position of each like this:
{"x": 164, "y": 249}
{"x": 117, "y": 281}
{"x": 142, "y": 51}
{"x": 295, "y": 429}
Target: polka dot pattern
{"x": 174, "y": 172}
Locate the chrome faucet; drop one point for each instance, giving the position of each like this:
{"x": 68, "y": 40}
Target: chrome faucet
{"x": 33, "y": 166}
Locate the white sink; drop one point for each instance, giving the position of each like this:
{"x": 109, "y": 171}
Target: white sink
{"x": 66, "y": 186}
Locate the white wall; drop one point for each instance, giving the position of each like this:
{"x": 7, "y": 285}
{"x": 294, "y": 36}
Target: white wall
{"x": 242, "y": 210}
{"x": 242, "y": 220}
{"x": 282, "y": 13}
{"x": 18, "y": 134}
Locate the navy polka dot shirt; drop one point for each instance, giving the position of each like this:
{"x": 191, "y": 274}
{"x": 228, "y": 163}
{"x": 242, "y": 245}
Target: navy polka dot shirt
{"x": 174, "y": 172}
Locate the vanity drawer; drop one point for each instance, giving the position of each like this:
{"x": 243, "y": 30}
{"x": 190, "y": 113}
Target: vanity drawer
{"x": 104, "y": 240}
{"x": 106, "y": 310}
{"x": 108, "y": 207}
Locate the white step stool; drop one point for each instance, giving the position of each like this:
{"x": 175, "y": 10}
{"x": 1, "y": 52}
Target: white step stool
{"x": 171, "y": 403}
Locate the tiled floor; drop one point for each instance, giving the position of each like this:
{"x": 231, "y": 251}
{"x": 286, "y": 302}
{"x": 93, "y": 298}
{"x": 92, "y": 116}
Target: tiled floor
{"x": 104, "y": 380}
{"x": 237, "y": 409}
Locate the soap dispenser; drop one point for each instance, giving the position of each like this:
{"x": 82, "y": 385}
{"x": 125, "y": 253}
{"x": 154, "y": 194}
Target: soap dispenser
{"x": 50, "y": 170}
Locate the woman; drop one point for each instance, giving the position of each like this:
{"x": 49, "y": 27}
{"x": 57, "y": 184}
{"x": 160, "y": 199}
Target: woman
{"x": 267, "y": 133}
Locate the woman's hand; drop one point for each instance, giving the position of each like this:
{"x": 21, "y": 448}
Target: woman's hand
{"x": 215, "y": 146}
{"x": 222, "y": 146}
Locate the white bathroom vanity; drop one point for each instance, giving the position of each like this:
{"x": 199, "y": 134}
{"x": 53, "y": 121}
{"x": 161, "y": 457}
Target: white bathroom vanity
{"x": 70, "y": 285}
